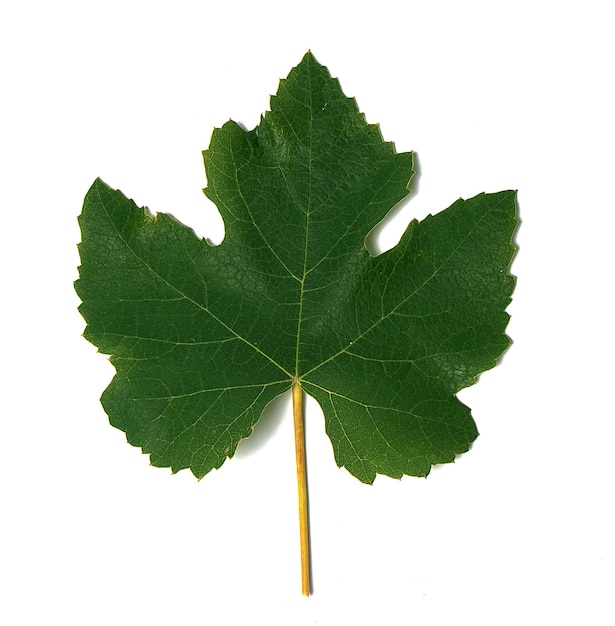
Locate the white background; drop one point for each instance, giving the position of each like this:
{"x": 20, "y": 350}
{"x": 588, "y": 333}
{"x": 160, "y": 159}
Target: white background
{"x": 492, "y": 96}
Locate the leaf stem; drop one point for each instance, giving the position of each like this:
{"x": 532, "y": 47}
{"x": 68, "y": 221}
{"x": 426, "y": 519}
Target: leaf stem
{"x": 304, "y": 532}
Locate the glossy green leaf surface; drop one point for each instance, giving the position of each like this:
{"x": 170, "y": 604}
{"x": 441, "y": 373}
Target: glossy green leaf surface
{"x": 203, "y": 337}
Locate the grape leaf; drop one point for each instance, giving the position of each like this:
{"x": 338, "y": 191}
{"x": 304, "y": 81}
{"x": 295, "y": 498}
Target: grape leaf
{"x": 203, "y": 337}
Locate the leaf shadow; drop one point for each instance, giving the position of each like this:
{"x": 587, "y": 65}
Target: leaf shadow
{"x": 388, "y": 231}
{"x": 267, "y": 425}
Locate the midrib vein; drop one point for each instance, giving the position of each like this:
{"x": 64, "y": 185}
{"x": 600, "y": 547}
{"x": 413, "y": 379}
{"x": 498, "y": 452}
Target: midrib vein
{"x": 308, "y": 204}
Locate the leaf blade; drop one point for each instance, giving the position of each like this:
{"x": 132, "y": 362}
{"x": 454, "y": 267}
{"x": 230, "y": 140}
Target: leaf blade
{"x": 204, "y": 337}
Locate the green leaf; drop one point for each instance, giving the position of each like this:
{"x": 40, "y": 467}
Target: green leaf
{"x": 203, "y": 337}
